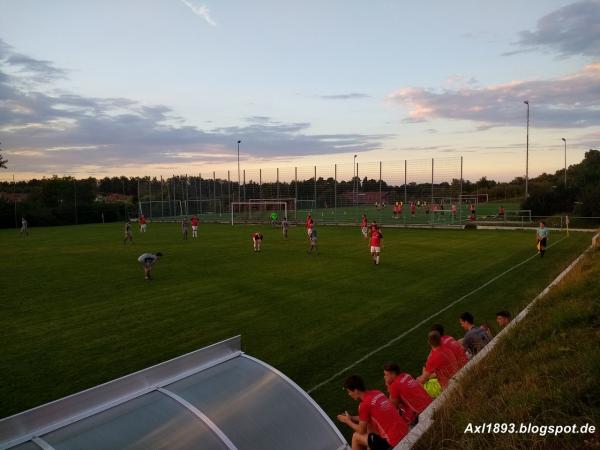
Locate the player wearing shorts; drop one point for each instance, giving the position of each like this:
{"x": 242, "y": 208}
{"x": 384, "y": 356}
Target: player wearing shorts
{"x": 128, "y": 235}
{"x": 313, "y": 242}
{"x": 185, "y": 228}
{"x": 453, "y": 209}
{"x": 195, "y": 223}
{"x": 142, "y": 224}
{"x": 148, "y": 260}
{"x": 413, "y": 209}
{"x": 376, "y": 244}
{"x": 257, "y": 239}
{"x": 363, "y": 226}
{"x": 24, "y": 227}
{"x": 284, "y": 227}
{"x": 309, "y": 225}
{"x": 542, "y": 239}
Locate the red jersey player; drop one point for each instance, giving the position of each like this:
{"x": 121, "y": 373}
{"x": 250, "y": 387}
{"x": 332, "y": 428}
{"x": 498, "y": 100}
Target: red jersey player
{"x": 257, "y": 239}
{"x": 376, "y": 244}
{"x": 363, "y": 226}
{"x": 309, "y": 225}
{"x": 405, "y": 393}
{"x": 142, "y": 224}
{"x": 378, "y": 424}
{"x": 195, "y": 223}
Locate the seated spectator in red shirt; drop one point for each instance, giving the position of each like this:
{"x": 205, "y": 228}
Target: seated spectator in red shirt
{"x": 405, "y": 393}
{"x": 378, "y": 425}
{"x": 452, "y": 344}
{"x": 440, "y": 363}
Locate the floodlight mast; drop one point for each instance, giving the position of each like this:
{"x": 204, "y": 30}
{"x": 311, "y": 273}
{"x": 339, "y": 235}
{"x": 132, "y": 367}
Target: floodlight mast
{"x": 527, "y": 155}
{"x": 239, "y": 184}
{"x": 565, "y": 141}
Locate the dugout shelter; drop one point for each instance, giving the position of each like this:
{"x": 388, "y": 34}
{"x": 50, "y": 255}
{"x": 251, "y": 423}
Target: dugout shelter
{"x": 216, "y": 397}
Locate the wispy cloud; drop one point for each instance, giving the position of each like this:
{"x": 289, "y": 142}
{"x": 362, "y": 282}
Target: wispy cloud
{"x": 350, "y": 96}
{"x": 201, "y": 11}
{"x": 566, "y": 102}
{"x": 570, "y": 30}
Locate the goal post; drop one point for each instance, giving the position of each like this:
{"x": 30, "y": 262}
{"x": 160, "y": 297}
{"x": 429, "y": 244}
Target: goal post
{"x": 258, "y": 209}
{"x": 290, "y": 201}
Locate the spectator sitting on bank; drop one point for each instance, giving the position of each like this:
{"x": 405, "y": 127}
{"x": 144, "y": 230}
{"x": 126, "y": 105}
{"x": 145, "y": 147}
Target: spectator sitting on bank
{"x": 475, "y": 338}
{"x": 405, "y": 393}
{"x": 378, "y": 424}
{"x": 441, "y": 362}
{"x": 452, "y": 344}
{"x": 503, "y": 318}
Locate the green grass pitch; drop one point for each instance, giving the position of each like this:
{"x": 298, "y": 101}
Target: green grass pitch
{"x": 75, "y": 310}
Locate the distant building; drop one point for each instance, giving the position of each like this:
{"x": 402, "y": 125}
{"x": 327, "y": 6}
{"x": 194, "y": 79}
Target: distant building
{"x": 14, "y": 197}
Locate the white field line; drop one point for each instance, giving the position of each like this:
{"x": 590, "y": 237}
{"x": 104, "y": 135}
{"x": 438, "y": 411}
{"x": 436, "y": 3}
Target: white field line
{"x": 422, "y": 322}
{"x": 426, "y": 417}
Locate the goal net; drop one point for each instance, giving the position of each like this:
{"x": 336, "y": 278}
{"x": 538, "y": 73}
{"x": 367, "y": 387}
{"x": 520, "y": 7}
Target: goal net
{"x": 289, "y": 201}
{"x": 258, "y": 212}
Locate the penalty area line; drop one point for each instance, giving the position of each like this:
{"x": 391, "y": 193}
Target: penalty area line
{"x": 422, "y": 322}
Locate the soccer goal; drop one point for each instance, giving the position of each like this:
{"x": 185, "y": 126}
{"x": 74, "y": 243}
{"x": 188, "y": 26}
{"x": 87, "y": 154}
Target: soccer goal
{"x": 290, "y": 202}
{"x": 265, "y": 211}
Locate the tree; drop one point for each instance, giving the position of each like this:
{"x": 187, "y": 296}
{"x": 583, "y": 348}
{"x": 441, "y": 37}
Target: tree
{"x": 2, "y": 160}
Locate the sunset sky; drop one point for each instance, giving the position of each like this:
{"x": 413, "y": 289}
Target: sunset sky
{"x": 138, "y": 87}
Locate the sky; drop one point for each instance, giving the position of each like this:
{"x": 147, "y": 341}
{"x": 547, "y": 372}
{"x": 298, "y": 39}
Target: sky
{"x": 161, "y": 87}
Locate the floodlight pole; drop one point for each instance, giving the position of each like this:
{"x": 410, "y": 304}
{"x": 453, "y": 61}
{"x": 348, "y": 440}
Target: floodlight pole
{"x": 565, "y": 141}
{"x": 527, "y": 155}
{"x": 239, "y": 185}
{"x": 354, "y": 174}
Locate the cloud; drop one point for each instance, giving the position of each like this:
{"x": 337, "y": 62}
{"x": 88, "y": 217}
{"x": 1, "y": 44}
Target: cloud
{"x": 48, "y": 131}
{"x": 36, "y": 70}
{"x": 350, "y": 96}
{"x": 201, "y": 11}
{"x": 570, "y": 30}
{"x": 567, "y": 102}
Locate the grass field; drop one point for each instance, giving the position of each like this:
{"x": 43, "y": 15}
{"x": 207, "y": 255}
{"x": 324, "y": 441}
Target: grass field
{"x": 75, "y": 310}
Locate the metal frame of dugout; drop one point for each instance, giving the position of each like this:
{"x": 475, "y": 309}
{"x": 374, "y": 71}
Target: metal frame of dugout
{"x": 216, "y": 397}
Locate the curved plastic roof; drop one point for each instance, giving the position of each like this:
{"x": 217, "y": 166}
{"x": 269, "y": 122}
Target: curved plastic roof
{"x": 214, "y": 398}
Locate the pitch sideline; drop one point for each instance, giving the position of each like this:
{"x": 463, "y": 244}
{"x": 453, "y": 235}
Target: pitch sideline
{"x": 397, "y": 338}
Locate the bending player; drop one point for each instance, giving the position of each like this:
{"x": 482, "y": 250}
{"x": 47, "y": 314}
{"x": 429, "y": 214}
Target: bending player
{"x": 148, "y": 260}
{"x": 257, "y": 239}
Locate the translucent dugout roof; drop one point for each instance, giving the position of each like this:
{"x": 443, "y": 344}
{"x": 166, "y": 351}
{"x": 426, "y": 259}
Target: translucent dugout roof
{"x": 214, "y": 398}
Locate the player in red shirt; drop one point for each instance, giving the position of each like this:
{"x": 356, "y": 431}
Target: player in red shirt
{"x": 376, "y": 244}
{"x": 378, "y": 424}
{"x": 405, "y": 393}
{"x": 195, "y": 223}
{"x": 441, "y": 362}
{"x": 413, "y": 209}
{"x": 142, "y": 224}
{"x": 363, "y": 226}
{"x": 451, "y": 344}
{"x": 309, "y": 225}
{"x": 257, "y": 239}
